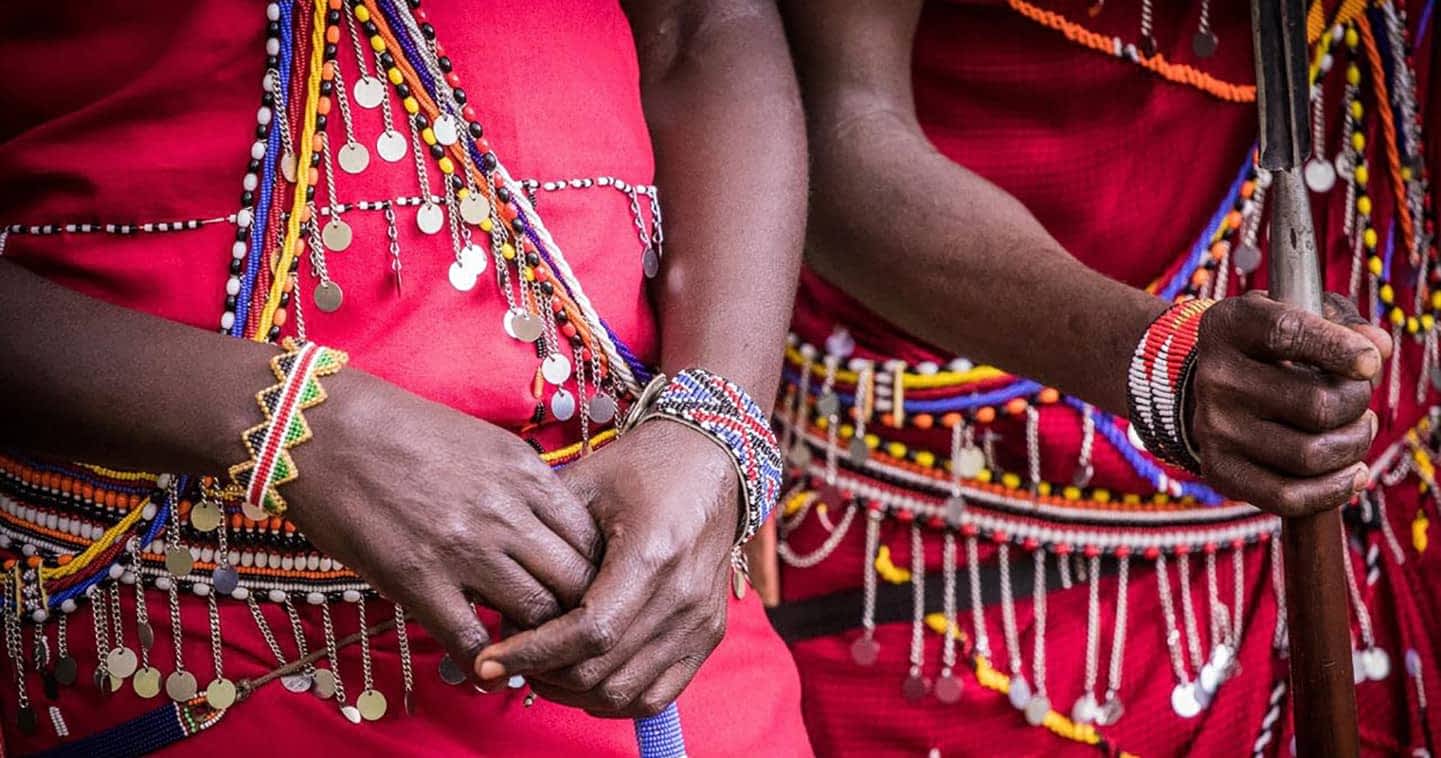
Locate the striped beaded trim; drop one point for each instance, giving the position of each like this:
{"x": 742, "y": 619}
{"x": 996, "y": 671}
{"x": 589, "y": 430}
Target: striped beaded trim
{"x": 298, "y": 371}
{"x": 1157, "y": 381}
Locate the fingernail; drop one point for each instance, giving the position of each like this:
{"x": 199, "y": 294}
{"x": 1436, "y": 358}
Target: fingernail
{"x": 1368, "y": 363}
{"x": 1363, "y": 475}
{"x": 1375, "y": 424}
{"x": 489, "y": 670}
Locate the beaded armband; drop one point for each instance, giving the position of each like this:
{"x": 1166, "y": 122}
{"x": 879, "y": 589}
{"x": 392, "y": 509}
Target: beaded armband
{"x": 298, "y": 371}
{"x": 1158, "y": 380}
{"x": 722, "y": 411}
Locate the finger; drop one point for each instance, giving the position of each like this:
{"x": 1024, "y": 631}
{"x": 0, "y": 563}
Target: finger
{"x": 764, "y": 564}
{"x": 510, "y": 589}
{"x": 1293, "y": 395}
{"x": 665, "y": 690}
{"x": 552, "y": 561}
{"x": 451, "y": 619}
{"x": 1293, "y": 453}
{"x": 1272, "y": 332}
{"x": 621, "y": 695}
{"x": 562, "y": 509}
{"x": 1284, "y": 496}
{"x": 592, "y": 629}
{"x": 1339, "y": 309}
{"x": 583, "y": 677}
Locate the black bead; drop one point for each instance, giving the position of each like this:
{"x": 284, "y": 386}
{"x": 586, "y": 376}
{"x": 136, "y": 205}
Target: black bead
{"x": 437, "y": 151}
{"x": 456, "y": 182}
{"x": 242, "y": 235}
{"x": 370, "y": 28}
{"x": 576, "y": 341}
{"x": 421, "y": 122}
{"x": 234, "y": 268}
{"x": 403, "y": 90}
{"x": 320, "y": 121}
{"x": 532, "y": 260}
{"x": 230, "y": 299}
{"x": 309, "y": 194}
{"x": 561, "y": 317}
{"x": 444, "y": 63}
{"x": 274, "y": 334}
{"x": 247, "y": 198}
{"x": 386, "y": 59}
{"x": 518, "y": 225}
{"x": 459, "y": 95}
{"x": 427, "y": 30}
{"x": 327, "y": 88}
{"x": 272, "y": 29}
{"x": 272, "y": 62}
{"x": 253, "y": 166}
{"x": 332, "y": 17}
{"x": 547, "y": 289}
{"x": 261, "y": 131}
{"x": 476, "y": 130}
{"x": 295, "y": 262}
{"x": 501, "y": 193}
{"x": 284, "y": 299}
{"x": 267, "y": 99}
{"x": 315, "y": 158}
{"x": 413, "y": 4}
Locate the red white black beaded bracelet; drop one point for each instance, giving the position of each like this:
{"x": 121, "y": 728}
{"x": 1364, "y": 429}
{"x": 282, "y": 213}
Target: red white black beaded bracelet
{"x": 722, "y": 411}
{"x": 1158, "y": 380}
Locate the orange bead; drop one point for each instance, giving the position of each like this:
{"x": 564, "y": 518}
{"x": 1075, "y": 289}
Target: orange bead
{"x": 9, "y": 564}
{"x": 1248, "y": 189}
{"x": 951, "y": 420}
{"x": 134, "y": 503}
{"x": 1220, "y": 250}
{"x": 1233, "y": 220}
{"x": 280, "y": 317}
{"x": 986, "y": 415}
{"x": 33, "y": 561}
{"x": 1049, "y": 395}
{"x": 923, "y": 421}
{"x": 313, "y": 177}
{"x": 334, "y": 5}
{"x": 1016, "y": 406}
{"x": 184, "y": 507}
{"x": 64, "y": 559}
{"x": 332, "y": 35}
{"x": 87, "y": 491}
{"x": 1200, "y": 277}
{"x": 323, "y": 106}
{"x": 317, "y": 141}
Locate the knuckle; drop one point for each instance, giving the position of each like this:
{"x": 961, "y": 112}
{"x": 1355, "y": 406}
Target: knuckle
{"x": 1322, "y": 408}
{"x": 1290, "y": 501}
{"x": 585, "y": 677}
{"x": 650, "y": 704}
{"x": 536, "y": 606}
{"x": 614, "y": 697}
{"x": 1286, "y": 333}
{"x": 597, "y": 636}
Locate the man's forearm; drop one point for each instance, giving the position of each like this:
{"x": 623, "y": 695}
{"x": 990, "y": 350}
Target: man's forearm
{"x": 84, "y": 380}
{"x": 724, "y": 114}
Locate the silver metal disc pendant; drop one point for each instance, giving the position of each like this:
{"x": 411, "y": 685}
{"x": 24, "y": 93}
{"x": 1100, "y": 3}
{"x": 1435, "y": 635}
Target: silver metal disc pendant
{"x": 220, "y": 694}
{"x": 367, "y": 92}
{"x": 206, "y": 516}
{"x": 225, "y": 578}
{"x": 323, "y": 684}
{"x": 1377, "y": 664}
{"x": 178, "y": 561}
{"x": 1203, "y": 44}
{"x": 147, "y": 682}
{"x": 801, "y": 456}
{"x": 1184, "y": 702}
{"x": 474, "y": 208}
{"x": 522, "y": 325}
{"x": 446, "y": 130}
{"x": 828, "y": 404}
{"x": 555, "y": 368}
{"x": 336, "y": 235}
{"x": 948, "y": 689}
{"x": 858, "y": 451}
{"x": 146, "y": 633}
{"x": 972, "y": 459}
{"x": 180, "y": 686}
{"x": 287, "y": 166}
{"x": 602, "y": 409}
{"x": 1084, "y": 711}
{"x": 430, "y": 218}
{"x": 1320, "y": 175}
{"x": 473, "y": 258}
{"x": 955, "y": 510}
{"x": 390, "y": 145}
{"x": 67, "y": 670}
{"x": 450, "y": 671}
{"x": 650, "y": 262}
{"x": 298, "y": 682}
{"x": 1036, "y": 709}
{"x": 247, "y": 508}
{"x": 914, "y": 688}
{"x": 461, "y": 278}
{"x": 1246, "y": 259}
{"x": 1019, "y": 693}
{"x": 1110, "y": 712}
{"x": 562, "y": 405}
{"x": 121, "y": 662}
{"x": 351, "y": 713}
{"x": 353, "y": 157}
{"x": 328, "y": 297}
{"x": 371, "y": 704}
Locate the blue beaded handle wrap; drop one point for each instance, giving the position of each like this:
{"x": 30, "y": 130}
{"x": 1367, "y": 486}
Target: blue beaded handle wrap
{"x": 722, "y": 411}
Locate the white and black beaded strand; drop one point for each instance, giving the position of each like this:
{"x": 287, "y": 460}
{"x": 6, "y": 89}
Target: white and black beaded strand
{"x": 1238, "y": 595}
{"x": 1084, "y": 710}
{"x": 916, "y": 685}
{"x": 1112, "y": 708}
{"x": 948, "y": 685}
{"x": 1184, "y": 701}
{"x": 1040, "y": 703}
{"x": 1147, "y": 42}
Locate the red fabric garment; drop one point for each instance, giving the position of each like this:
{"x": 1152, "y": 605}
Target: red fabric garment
{"x": 1124, "y": 169}
{"x": 146, "y": 112}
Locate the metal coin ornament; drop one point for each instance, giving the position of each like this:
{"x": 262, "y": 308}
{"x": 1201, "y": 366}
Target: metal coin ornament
{"x": 1246, "y": 258}
{"x": 474, "y": 208}
{"x": 287, "y": 166}
{"x": 1358, "y": 667}
{"x": 220, "y": 694}
{"x": 1110, "y": 712}
{"x": 430, "y": 218}
{"x": 328, "y": 297}
{"x": 336, "y": 235}
{"x": 178, "y": 561}
{"x": 450, "y": 671}
{"x": 121, "y": 662}
{"x": 1183, "y": 700}
{"x": 146, "y": 633}
{"x": 1203, "y": 44}
{"x": 353, "y": 157}
{"x": 446, "y": 130}
{"x": 368, "y": 91}
{"x": 180, "y": 686}
{"x": 206, "y": 516}
{"x": 473, "y": 258}
{"x": 1320, "y": 175}
{"x": 801, "y": 456}
{"x": 390, "y": 145}
{"x": 914, "y": 688}
{"x": 828, "y": 404}
{"x": 225, "y": 578}
{"x": 955, "y": 510}
{"x": 1377, "y": 664}
{"x": 650, "y": 262}
{"x": 323, "y": 685}
{"x": 298, "y": 682}
{"x": 948, "y": 689}
{"x": 147, "y": 682}
{"x": 247, "y": 508}
{"x": 25, "y": 718}
{"x": 523, "y": 326}
{"x": 555, "y": 368}
{"x": 67, "y": 670}
{"x": 602, "y": 409}
{"x": 858, "y": 451}
{"x": 351, "y": 713}
{"x": 971, "y": 459}
{"x": 1036, "y": 709}
{"x": 1083, "y": 476}
{"x": 462, "y": 278}
{"x": 1085, "y": 709}
{"x": 371, "y": 704}
{"x": 865, "y": 651}
{"x": 1019, "y": 693}
{"x": 562, "y": 405}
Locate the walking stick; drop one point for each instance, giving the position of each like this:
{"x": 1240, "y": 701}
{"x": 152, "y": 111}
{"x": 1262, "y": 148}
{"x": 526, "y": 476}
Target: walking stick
{"x": 1324, "y": 696}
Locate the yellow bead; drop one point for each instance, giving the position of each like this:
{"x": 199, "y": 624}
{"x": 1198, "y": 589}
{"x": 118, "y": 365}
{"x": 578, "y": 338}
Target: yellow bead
{"x": 926, "y": 458}
{"x": 1406, "y": 173}
{"x": 377, "y": 43}
{"x": 1131, "y": 498}
{"x": 847, "y": 431}
{"x": 1352, "y": 38}
{"x": 1428, "y": 322}
{"x": 394, "y": 75}
{"x": 1387, "y": 294}
{"x": 507, "y": 251}
{"x": 1044, "y": 488}
{"x": 1353, "y": 75}
{"x": 1436, "y": 300}
{"x": 1358, "y": 141}
{"x": 1369, "y": 238}
{"x": 1010, "y": 480}
{"x": 1397, "y": 317}
{"x": 1413, "y": 325}
{"x": 896, "y": 450}
{"x": 447, "y": 166}
{"x": 486, "y": 225}
{"x": 1357, "y": 109}
{"x": 1373, "y": 264}
{"x": 1101, "y": 496}
{"x": 1363, "y": 174}
{"x": 428, "y": 135}
{"x": 1161, "y": 498}
{"x": 872, "y": 441}
{"x": 463, "y": 193}
{"x": 1363, "y": 205}
{"x": 1071, "y": 492}
{"x": 362, "y": 13}
{"x": 529, "y": 274}
{"x": 412, "y": 106}
{"x": 984, "y": 476}
{"x": 823, "y": 422}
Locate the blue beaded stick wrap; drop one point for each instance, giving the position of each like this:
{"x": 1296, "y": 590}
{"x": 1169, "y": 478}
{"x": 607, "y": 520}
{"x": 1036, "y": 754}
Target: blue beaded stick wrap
{"x": 722, "y": 411}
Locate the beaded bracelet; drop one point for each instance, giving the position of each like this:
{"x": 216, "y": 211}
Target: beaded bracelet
{"x": 298, "y": 371}
{"x": 1158, "y": 380}
{"x": 724, "y": 413}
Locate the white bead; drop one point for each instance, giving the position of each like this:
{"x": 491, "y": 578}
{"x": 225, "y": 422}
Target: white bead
{"x": 1327, "y": 62}
{"x": 148, "y": 512}
{"x": 162, "y": 583}
{"x": 315, "y": 598}
{"x": 250, "y": 182}
{"x": 207, "y": 554}
{"x": 273, "y": 561}
{"x": 116, "y": 570}
{"x": 127, "y": 577}
{"x": 277, "y": 596}
{"x": 272, "y": 11}
{"x": 238, "y": 251}
{"x": 272, "y": 46}
{"x": 287, "y": 563}
{"x": 247, "y": 559}
{"x": 351, "y": 596}
{"x": 312, "y": 562}
{"x": 27, "y": 548}
{"x": 201, "y": 589}
{"x": 240, "y": 593}
{"x": 232, "y": 286}
{"x": 164, "y": 481}
{"x": 325, "y": 563}
{"x": 40, "y": 615}
{"x": 263, "y": 116}
{"x": 244, "y": 218}
{"x": 257, "y": 150}
{"x": 68, "y": 606}
{"x": 227, "y": 320}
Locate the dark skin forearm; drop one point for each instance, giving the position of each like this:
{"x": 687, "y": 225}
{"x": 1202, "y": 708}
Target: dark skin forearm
{"x": 950, "y": 251}
{"x": 721, "y": 102}
{"x": 81, "y": 379}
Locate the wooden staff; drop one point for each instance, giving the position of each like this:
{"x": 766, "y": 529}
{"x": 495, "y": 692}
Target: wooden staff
{"x": 1323, "y": 692}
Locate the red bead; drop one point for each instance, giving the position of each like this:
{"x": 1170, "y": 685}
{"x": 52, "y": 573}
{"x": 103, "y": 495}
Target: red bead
{"x": 422, "y": 16}
{"x": 585, "y": 354}
{"x": 905, "y": 516}
{"x": 1209, "y": 548}
{"x": 1063, "y": 549}
{"x": 936, "y": 522}
{"x": 1264, "y": 537}
{"x": 1152, "y": 553}
{"x": 1090, "y": 551}
{"x": 1030, "y": 543}
{"x": 998, "y": 537}
{"x": 1237, "y": 543}
{"x": 969, "y": 530}
{"x": 568, "y": 330}
{"x": 1182, "y": 549}
{"x": 468, "y": 113}
{"x": 453, "y": 79}
{"x": 1122, "y": 551}
{"x": 874, "y": 506}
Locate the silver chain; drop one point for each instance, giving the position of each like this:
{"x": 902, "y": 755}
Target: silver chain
{"x": 868, "y": 580}
{"x": 402, "y": 637}
{"x": 1008, "y": 610}
{"x": 264, "y": 627}
{"x": 1168, "y": 613}
{"x": 1038, "y": 603}
{"x": 1188, "y": 611}
{"x": 948, "y": 586}
{"x": 978, "y": 615}
{"x": 1118, "y": 634}
{"x": 918, "y": 600}
{"x": 331, "y": 651}
{"x": 1093, "y": 624}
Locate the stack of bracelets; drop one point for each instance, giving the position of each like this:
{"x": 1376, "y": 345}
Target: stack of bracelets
{"x": 85, "y": 532}
{"x": 913, "y": 454}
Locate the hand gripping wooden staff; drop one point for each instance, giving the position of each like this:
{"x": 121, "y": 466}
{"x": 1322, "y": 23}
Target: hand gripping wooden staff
{"x": 1317, "y": 617}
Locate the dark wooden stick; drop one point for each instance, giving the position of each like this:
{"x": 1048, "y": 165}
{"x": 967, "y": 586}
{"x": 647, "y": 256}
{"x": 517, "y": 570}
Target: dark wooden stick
{"x": 1317, "y": 618}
